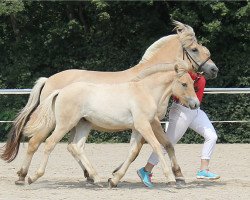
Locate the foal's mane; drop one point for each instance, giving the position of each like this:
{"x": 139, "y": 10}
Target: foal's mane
{"x": 162, "y": 67}
{"x": 186, "y": 36}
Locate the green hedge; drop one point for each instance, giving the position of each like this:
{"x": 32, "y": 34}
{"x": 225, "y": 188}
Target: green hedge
{"x": 41, "y": 38}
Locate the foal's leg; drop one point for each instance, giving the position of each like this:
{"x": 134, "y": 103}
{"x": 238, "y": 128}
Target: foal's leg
{"x": 144, "y": 128}
{"x": 132, "y": 140}
{"x": 76, "y": 148}
{"x": 50, "y": 144}
{"x": 33, "y": 145}
{"x": 71, "y": 138}
{"x": 136, "y": 143}
{"x": 162, "y": 138}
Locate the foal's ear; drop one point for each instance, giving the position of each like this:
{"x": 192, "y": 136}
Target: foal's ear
{"x": 176, "y": 68}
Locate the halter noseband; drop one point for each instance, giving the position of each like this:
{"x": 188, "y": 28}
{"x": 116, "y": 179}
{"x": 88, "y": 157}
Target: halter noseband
{"x": 190, "y": 58}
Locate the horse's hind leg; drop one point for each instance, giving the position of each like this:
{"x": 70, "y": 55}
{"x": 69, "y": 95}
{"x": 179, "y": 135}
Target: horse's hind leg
{"x": 162, "y": 138}
{"x": 33, "y": 145}
{"x": 50, "y": 144}
{"x": 136, "y": 143}
{"x": 76, "y": 148}
{"x": 72, "y": 135}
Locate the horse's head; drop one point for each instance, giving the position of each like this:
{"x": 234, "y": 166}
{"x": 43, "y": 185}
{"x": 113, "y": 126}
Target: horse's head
{"x": 183, "y": 86}
{"x": 198, "y": 55}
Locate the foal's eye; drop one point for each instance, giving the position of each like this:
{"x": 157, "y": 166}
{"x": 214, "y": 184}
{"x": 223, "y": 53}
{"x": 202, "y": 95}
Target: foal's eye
{"x": 184, "y": 85}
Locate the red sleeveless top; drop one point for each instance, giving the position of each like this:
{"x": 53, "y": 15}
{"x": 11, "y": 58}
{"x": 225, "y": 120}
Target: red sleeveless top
{"x": 199, "y": 85}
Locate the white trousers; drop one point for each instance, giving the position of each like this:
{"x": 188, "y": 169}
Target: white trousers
{"x": 182, "y": 118}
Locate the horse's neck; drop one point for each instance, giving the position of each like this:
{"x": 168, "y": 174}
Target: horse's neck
{"x": 167, "y": 50}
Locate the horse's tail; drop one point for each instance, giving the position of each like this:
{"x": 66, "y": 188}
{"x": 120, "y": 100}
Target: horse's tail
{"x": 11, "y": 148}
{"x": 43, "y": 118}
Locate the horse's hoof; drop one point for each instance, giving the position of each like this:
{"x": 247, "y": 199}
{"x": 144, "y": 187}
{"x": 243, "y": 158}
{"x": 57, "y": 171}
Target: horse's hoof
{"x": 111, "y": 183}
{"x": 86, "y": 174}
{"x": 99, "y": 185}
{"x": 89, "y": 180}
{"x": 20, "y": 182}
{"x": 30, "y": 181}
{"x": 171, "y": 183}
{"x": 180, "y": 182}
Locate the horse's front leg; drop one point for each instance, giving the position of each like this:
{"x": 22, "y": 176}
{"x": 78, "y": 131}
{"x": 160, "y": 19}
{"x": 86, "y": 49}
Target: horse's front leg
{"x": 143, "y": 126}
{"x": 163, "y": 139}
{"x": 136, "y": 143}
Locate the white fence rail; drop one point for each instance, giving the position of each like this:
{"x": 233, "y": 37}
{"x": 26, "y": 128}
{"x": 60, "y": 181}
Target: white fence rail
{"x": 207, "y": 91}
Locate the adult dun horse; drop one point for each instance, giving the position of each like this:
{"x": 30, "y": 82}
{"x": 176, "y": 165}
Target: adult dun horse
{"x": 181, "y": 45}
{"x": 132, "y": 105}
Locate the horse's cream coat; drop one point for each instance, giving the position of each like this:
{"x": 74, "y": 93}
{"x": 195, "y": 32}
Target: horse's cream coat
{"x": 132, "y": 105}
{"x": 165, "y": 50}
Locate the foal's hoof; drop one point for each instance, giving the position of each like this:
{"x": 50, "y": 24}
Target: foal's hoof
{"x": 30, "y": 181}
{"x": 20, "y": 182}
{"x": 111, "y": 183}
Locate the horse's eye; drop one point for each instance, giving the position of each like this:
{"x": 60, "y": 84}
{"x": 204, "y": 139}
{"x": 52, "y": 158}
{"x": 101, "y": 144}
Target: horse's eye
{"x": 184, "y": 85}
{"x": 194, "y": 49}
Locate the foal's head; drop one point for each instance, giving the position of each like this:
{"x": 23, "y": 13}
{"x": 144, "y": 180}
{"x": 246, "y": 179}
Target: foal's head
{"x": 183, "y": 87}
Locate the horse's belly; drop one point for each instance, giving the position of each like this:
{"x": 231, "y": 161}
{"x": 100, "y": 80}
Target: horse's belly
{"x": 111, "y": 119}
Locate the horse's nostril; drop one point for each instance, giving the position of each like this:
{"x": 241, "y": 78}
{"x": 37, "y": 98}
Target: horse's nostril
{"x": 214, "y": 69}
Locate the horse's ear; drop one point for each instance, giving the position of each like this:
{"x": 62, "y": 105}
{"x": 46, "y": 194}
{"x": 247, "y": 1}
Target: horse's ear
{"x": 183, "y": 28}
{"x": 179, "y": 27}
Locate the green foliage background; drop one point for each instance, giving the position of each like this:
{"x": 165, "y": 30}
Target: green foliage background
{"x": 41, "y": 38}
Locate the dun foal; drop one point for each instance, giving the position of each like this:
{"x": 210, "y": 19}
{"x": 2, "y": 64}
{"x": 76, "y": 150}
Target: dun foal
{"x": 132, "y": 105}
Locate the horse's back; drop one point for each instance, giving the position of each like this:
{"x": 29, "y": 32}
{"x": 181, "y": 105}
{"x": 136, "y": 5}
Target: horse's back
{"x": 64, "y": 78}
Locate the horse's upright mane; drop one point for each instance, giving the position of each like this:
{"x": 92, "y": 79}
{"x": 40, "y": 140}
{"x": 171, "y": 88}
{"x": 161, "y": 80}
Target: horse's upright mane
{"x": 153, "y": 48}
{"x": 186, "y": 36}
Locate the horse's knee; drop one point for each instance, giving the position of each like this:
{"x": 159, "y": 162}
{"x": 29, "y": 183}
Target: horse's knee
{"x": 74, "y": 149}
{"x": 169, "y": 147}
{"x": 49, "y": 145}
{"x": 134, "y": 154}
{"x": 33, "y": 145}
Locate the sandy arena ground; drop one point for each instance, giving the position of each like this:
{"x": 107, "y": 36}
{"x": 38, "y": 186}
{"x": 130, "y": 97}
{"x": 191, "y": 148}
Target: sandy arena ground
{"x": 64, "y": 178}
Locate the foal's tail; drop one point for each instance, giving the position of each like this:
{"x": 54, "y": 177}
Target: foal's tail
{"x": 43, "y": 118}
{"x": 10, "y": 150}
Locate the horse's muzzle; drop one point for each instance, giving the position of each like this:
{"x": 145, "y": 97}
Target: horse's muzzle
{"x": 210, "y": 71}
{"x": 193, "y": 103}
